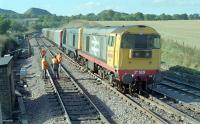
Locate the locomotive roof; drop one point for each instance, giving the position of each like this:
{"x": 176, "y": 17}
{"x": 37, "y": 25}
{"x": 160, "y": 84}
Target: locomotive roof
{"x": 108, "y": 29}
{"x": 101, "y": 30}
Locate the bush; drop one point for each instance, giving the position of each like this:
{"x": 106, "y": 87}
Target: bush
{"x": 4, "y": 25}
{"x": 7, "y": 42}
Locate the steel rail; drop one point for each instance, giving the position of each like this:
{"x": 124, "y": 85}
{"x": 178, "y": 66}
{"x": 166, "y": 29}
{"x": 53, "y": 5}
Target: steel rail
{"x": 154, "y": 101}
{"x": 158, "y": 119}
{"x": 66, "y": 115}
{"x": 149, "y": 113}
{"x": 81, "y": 89}
{"x": 176, "y": 87}
{"x": 180, "y": 82}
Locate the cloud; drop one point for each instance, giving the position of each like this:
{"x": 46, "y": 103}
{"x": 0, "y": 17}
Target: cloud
{"x": 90, "y": 4}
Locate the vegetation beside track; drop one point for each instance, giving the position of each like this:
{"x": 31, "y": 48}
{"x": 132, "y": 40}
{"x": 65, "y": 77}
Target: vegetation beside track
{"x": 7, "y": 42}
{"x": 174, "y": 54}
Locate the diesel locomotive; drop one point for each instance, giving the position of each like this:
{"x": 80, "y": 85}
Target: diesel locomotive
{"x": 128, "y": 56}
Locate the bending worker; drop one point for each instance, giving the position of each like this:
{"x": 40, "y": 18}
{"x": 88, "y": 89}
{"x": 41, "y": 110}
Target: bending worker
{"x": 55, "y": 67}
{"x": 45, "y": 66}
{"x": 59, "y": 58}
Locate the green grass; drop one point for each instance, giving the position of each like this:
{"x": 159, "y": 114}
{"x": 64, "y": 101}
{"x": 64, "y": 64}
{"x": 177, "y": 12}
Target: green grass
{"x": 175, "y": 54}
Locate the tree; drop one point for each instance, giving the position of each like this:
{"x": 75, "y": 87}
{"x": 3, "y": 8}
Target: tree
{"x": 18, "y": 27}
{"x": 106, "y": 15}
{"x": 180, "y": 17}
{"x": 149, "y": 17}
{"x": 194, "y": 16}
{"x": 91, "y": 17}
{"x": 164, "y": 17}
{"x": 132, "y": 17}
{"x": 37, "y": 26}
{"x": 4, "y": 25}
{"x": 184, "y": 16}
{"x": 139, "y": 16}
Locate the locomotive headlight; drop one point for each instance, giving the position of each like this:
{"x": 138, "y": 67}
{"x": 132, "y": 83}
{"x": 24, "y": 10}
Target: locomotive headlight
{"x": 136, "y": 54}
{"x": 147, "y": 54}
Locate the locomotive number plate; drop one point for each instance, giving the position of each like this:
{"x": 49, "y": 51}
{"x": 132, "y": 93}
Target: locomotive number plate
{"x": 140, "y": 72}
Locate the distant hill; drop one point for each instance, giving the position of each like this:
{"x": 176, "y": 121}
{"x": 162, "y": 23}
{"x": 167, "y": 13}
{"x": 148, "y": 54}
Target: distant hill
{"x": 37, "y": 12}
{"x": 4, "y": 11}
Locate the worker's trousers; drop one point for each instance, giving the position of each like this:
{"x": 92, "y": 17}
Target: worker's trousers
{"x": 55, "y": 70}
{"x": 44, "y": 73}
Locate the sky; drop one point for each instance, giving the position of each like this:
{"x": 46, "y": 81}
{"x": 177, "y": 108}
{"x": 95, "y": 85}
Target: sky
{"x": 75, "y": 7}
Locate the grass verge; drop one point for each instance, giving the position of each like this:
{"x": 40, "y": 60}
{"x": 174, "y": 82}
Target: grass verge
{"x": 174, "y": 54}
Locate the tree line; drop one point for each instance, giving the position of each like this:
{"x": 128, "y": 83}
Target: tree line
{"x": 11, "y": 25}
{"x": 110, "y": 15}
{"x": 9, "y": 21}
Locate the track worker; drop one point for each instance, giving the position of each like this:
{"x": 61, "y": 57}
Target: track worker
{"x": 43, "y": 52}
{"x": 55, "y": 67}
{"x": 59, "y": 58}
{"x": 45, "y": 66}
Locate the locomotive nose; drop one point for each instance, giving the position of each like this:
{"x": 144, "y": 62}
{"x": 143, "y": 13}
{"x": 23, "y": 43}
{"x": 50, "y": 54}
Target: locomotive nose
{"x": 127, "y": 78}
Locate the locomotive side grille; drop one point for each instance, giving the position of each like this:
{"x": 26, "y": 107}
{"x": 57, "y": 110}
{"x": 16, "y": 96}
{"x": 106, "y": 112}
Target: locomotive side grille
{"x": 142, "y": 54}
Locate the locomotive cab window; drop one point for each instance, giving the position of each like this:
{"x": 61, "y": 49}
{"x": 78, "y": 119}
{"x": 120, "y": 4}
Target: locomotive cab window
{"x": 140, "y": 41}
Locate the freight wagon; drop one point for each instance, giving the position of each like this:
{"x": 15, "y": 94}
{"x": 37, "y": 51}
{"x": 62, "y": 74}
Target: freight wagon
{"x": 54, "y": 35}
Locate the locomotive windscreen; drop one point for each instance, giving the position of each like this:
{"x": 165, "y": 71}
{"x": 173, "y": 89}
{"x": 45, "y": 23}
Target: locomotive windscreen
{"x": 137, "y": 41}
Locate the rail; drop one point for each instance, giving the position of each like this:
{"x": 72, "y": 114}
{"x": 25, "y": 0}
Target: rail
{"x": 155, "y": 117}
{"x": 149, "y": 113}
{"x": 170, "y": 109}
{"x": 104, "y": 120}
{"x": 66, "y": 115}
{"x": 183, "y": 117}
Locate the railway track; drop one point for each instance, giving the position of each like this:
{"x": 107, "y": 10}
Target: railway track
{"x": 178, "y": 88}
{"x": 152, "y": 115}
{"x": 156, "y": 106}
{"x": 185, "y": 83}
{"x": 184, "y": 91}
{"x": 169, "y": 114}
{"x": 70, "y": 100}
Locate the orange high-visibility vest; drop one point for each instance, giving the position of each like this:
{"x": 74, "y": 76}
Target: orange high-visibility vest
{"x": 55, "y": 61}
{"x": 44, "y": 64}
{"x": 59, "y": 58}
